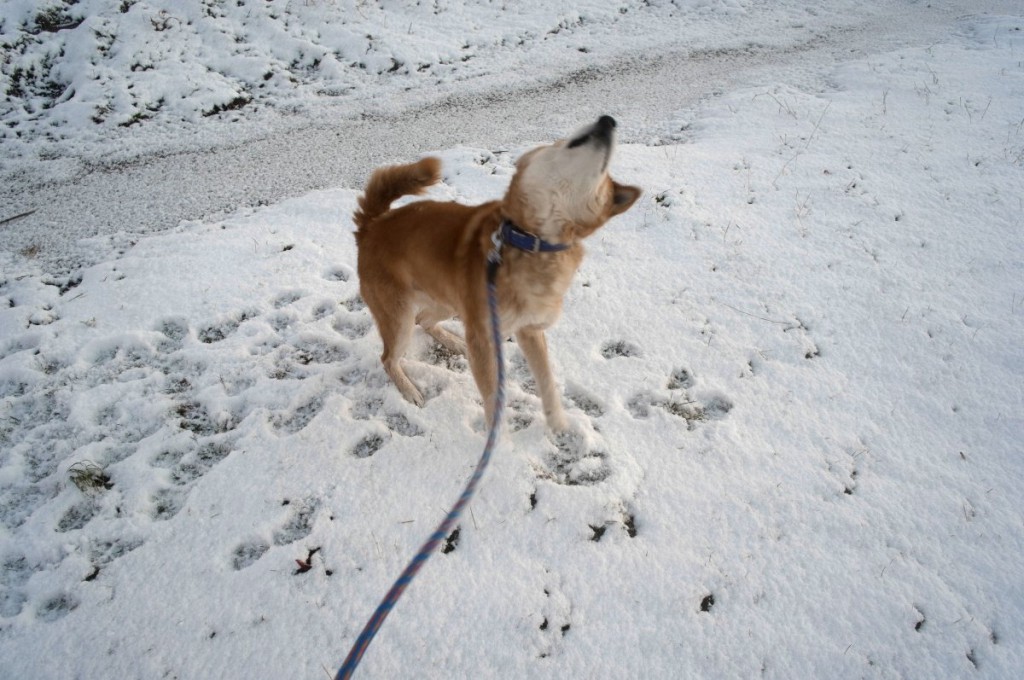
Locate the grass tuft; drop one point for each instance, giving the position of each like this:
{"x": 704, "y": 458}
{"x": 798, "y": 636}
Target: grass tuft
{"x": 89, "y": 478}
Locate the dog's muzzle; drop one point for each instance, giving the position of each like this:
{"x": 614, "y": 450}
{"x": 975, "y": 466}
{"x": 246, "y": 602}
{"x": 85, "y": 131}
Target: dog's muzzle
{"x": 602, "y": 132}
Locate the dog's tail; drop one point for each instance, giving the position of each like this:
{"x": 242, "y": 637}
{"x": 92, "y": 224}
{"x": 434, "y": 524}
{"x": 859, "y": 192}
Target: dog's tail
{"x": 388, "y": 184}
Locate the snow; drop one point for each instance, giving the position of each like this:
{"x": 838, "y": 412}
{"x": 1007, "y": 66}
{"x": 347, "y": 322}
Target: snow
{"x": 97, "y": 70}
{"x": 793, "y": 369}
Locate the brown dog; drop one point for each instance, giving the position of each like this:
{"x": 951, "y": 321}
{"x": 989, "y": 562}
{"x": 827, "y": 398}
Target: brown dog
{"x": 425, "y": 262}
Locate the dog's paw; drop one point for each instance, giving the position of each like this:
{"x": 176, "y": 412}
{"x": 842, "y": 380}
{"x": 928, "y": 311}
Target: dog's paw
{"x": 574, "y": 425}
{"x": 408, "y": 389}
{"x": 558, "y": 422}
{"x": 414, "y": 396}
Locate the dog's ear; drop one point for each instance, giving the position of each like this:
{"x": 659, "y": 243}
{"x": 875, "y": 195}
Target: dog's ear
{"x": 623, "y": 197}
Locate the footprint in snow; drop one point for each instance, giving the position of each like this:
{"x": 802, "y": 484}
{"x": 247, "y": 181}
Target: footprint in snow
{"x": 439, "y": 355}
{"x": 199, "y": 463}
{"x": 198, "y": 420}
{"x": 225, "y": 327}
{"x": 301, "y": 358}
{"x": 571, "y": 461}
{"x": 400, "y": 424}
{"x": 354, "y": 304}
{"x": 372, "y": 408}
{"x": 65, "y": 284}
{"x": 624, "y": 519}
{"x": 20, "y": 343}
{"x": 167, "y": 458}
{"x": 104, "y": 551}
{"x": 299, "y": 523}
{"x": 585, "y": 401}
{"x": 678, "y": 402}
{"x": 184, "y": 467}
{"x": 175, "y": 329}
{"x": 56, "y": 607}
{"x": 299, "y": 417}
{"x": 166, "y": 503}
{"x": 680, "y": 379}
{"x": 352, "y": 329}
{"x": 369, "y": 445}
{"x": 555, "y": 620}
{"x": 318, "y": 350}
{"x": 520, "y": 415}
{"x": 287, "y": 298}
{"x": 14, "y": 574}
{"x": 78, "y": 515}
{"x": 282, "y": 320}
{"x": 367, "y": 407}
{"x": 322, "y": 310}
{"x": 44, "y": 316}
{"x": 619, "y": 348}
{"x": 339, "y": 273}
{"x": 248, "y": 553}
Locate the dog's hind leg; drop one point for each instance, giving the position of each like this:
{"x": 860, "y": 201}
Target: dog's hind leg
{"x": 429, "y": 320}
{"x": 535, "y": 348}
{"x": 396, "y": 325}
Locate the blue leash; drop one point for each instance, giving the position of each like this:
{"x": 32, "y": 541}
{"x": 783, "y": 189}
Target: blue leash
{"x": 355, "y": 655}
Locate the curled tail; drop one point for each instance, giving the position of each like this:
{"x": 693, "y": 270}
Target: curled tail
{"x": 388, "y": 184}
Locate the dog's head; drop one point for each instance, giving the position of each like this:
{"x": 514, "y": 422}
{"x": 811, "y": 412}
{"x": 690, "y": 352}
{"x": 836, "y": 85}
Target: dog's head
{"x": 562, "y": 191}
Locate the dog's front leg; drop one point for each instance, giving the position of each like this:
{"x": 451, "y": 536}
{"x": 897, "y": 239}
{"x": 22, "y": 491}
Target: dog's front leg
{"x": 480, "y": 352}
{"x": 535, "y": 348}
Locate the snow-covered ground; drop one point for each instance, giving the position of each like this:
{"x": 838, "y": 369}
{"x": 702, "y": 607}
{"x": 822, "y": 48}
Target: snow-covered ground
{"x": 79, "y": 176}
{"x": 795, "y": 372}
{"x": 92, "y": 71}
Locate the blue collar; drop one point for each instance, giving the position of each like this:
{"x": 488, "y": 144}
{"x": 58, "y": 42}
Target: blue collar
{"x": 517, "y": 238}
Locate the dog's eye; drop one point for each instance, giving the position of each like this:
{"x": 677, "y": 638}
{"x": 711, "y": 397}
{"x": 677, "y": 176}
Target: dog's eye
{"x": 579, "y": 141}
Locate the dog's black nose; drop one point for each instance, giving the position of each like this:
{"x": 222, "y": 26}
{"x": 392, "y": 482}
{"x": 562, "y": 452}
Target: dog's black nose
{"x": 600, "y": 132}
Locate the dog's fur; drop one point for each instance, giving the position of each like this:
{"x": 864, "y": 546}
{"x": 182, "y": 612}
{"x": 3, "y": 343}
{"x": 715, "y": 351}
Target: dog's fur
{"x": 426, "y": 261}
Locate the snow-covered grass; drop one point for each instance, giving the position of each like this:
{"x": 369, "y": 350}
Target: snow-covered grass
{"x": 108, "y": 77}
{"x": 794, "y": 371}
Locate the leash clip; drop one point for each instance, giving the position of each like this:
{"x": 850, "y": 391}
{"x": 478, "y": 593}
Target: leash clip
{"x": 494, "y": 257}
